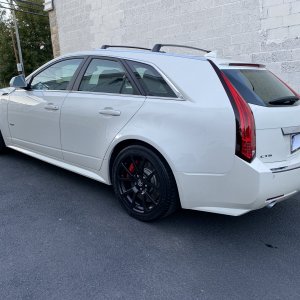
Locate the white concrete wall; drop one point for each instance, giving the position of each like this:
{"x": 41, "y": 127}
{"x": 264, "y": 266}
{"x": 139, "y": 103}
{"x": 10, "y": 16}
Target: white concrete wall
{"x": 265, "y": 31}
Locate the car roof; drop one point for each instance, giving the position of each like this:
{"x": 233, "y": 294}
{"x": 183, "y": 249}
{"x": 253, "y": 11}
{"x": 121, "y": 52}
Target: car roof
{"x": 152, "y": 57}
{"x": 133, "y": 54}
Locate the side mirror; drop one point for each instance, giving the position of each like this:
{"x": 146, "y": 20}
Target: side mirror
{"x": 18, "y": 82}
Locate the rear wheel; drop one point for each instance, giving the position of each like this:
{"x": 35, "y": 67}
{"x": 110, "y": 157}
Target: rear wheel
{"x": 2, "y": 144}
{"x": 144, "y": 184}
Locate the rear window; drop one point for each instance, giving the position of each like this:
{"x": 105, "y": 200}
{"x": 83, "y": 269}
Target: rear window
{"x": 258, "y": 87}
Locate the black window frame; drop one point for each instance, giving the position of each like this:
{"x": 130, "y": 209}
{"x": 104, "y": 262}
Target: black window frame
{"x": 128, "y": 73}
{"x": 74, "y": 77}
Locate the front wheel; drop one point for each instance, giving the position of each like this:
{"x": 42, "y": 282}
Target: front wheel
{"x": 144, "y": 184}
{"x": 2, "y": 144}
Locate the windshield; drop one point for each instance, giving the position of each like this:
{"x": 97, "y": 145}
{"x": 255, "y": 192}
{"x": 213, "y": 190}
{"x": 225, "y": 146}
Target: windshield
{"x": 258, "y": 87}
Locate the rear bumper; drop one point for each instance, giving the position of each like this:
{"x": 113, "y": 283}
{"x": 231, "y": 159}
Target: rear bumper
{"x": 245, "y": 188}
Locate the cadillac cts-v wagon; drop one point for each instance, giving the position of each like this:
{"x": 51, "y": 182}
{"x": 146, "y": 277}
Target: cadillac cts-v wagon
{"x": 166, "y": 130}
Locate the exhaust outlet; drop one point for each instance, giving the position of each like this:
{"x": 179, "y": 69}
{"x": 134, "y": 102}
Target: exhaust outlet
{"x": 271, "y": 204}
{"x": 272, "y": 201}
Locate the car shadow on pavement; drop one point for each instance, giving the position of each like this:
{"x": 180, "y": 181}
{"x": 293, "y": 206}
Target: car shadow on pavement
{"x": 261, "y": 225}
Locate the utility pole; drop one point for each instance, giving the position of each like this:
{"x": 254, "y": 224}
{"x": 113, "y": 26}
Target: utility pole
{"x": 14, "y": 46}
{"x": 20, "y": 66}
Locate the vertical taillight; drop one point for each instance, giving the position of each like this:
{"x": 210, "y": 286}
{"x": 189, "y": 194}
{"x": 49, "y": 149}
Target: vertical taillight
{"x": 245, "y": 125}
{"x": 246, "y": 141}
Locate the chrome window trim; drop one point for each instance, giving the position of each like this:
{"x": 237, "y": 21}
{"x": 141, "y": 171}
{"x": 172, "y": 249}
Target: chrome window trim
{"x": 107, "y": 94}
{"x": 170, "y": 83}
{"x": 56, "y": 91}
{"x": 125, "y": 95}
{"x": 164, "y": 98}
{"x": 164, "y": 76}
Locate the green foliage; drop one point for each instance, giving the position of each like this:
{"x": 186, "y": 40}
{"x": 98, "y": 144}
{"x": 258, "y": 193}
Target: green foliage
{"x": 35, "y": 39}
{"x": 7, "y": 58}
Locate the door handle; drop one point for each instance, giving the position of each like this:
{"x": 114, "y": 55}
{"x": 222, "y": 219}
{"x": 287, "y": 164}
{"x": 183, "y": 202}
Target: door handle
{"x": 110, "y": 112}
{"x": 51, "y": 106}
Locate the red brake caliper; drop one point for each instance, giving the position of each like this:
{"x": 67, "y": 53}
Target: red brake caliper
{"x": 131, "y": 168}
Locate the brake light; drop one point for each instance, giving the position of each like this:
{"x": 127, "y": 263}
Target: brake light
{"x": 246, "y": 65}
{"x": 245, "y": 135}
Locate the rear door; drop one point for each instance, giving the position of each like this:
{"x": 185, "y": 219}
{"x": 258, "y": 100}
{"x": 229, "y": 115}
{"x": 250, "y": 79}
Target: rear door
{"x": 276, "y": 112}
{"x": 104, "y": 99}
{"x": 34, "y": 114}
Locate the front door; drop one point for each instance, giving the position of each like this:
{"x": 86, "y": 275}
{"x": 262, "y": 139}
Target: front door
{"x": 34, "y": 114}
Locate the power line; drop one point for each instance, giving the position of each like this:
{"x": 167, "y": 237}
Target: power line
{"x": 28, "y": 7}
{"x": 30, "y": 3}
{"x": 19, "y": 8}
{"x": 22, "y": 11}
{"x": 22, "y": 6}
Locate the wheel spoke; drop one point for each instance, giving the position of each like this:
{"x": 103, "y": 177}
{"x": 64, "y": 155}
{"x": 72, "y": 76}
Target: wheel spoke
{"x": 144, "y": 204}
{"x": 148, "y": 177}
{"x": 133, "y": 200}
{"x": 127, "y": 192}
{"x": 153, "y": 186}
{"x": 127, "y": 171}
{"x": 126, "y": 179}
{"x": 150, "y": 198}
{"x": 142, "y": 165}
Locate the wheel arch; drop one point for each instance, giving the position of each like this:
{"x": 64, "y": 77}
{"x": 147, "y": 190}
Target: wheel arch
{"x": 132, "y": 142}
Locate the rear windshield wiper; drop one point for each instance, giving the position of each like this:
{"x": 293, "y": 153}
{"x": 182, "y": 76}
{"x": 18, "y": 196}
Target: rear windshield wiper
{"x": 284, "y": 100}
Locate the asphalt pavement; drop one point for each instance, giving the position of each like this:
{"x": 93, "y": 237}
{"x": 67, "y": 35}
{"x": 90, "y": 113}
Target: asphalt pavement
{"x": 63, "y": 236}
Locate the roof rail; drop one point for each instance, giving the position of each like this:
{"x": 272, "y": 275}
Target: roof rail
{"x": 120, "y": 46}
{"x": 157, "y": 47}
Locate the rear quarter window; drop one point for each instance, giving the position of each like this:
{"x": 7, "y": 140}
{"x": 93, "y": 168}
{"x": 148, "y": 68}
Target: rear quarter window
{"x": 150, "y": 80}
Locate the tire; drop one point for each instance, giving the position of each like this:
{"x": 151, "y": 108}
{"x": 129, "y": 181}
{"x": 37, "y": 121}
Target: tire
{"x": 2, "y": 144}
{"x": 144, "y": 184}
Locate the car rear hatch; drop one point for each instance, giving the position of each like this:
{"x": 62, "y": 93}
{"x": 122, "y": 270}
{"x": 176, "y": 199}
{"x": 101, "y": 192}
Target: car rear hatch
{"x": 276, "y": 112}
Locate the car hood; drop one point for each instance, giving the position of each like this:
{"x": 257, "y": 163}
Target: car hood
{"x": 7, "y": 90}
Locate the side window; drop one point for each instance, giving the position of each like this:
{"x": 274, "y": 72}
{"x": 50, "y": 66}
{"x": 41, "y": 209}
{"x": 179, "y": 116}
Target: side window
{"x": 106, "y": 76}
{"x": 56, "y": 77}
{"x": 152, "y": 82}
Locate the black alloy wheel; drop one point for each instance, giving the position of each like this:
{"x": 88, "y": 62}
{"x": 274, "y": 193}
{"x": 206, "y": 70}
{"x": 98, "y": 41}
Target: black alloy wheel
{"x": 2, "y": 144}
{"x": 144, "y": 184}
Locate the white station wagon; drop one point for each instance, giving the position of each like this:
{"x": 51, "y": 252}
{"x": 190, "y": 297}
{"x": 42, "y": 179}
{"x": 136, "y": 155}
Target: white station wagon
{"x": 165, "y": 130}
